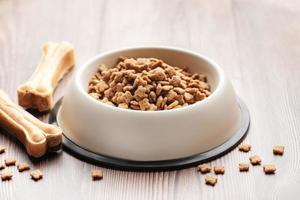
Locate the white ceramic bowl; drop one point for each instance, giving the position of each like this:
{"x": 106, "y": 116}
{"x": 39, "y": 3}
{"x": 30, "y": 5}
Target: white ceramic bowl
{"x": 150, "y": 135}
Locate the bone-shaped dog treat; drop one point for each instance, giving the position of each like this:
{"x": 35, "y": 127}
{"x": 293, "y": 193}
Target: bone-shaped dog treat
{"x": 36, "y": 135}
{"x": 57, "y": 59}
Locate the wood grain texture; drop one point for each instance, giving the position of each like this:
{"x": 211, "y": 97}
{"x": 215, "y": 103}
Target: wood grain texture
{"x": 257, "y": 43}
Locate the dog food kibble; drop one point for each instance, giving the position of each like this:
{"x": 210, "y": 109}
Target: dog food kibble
{"x": 255, "y": 160}
{"x": 211, "y": 180}
{"x": 269, "y": 169}
{"x": 2, "y": 166}
{"x": 2, "y": 149}
{"x": 23, "y": 167}
{"x": 147, "y": 84}
{"x": 97, "y": 174}
{"x": 244, "y": 167}
{"x": 36, "y": 175}
{"x": 278, "y": 150}
{"x": 7, "y": 175}
{"x": 10, "y": 161}
{"x": 244, "y": 147}
{"x": 204, "y": 168}
{"x": 219, "y": 169}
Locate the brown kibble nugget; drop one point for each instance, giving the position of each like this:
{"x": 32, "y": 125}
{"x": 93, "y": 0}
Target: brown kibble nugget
{"x": 2, "y": 149}
{"x": 278, "y": 150}
{"x": 244, "y": 147}
{"x": 219, "y": 169}
{"x": 211, "y": 180}
{"x": 10, "y": 161}
{"x": 6, "y": 176}
{"x": 269, "y": 169}
{"x": 2, "y": 166}
{"x": 204, "y": 168}
{"x": 244, "y": 167}
{"x": 23, "y": 167}
{"x": 36, "y": 175}
{"x": 97, "y": 174}
{"x": 255, "y": 160}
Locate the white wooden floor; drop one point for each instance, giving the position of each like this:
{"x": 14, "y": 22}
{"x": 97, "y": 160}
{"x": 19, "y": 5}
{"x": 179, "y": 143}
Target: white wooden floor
{"x": 257, "y": 43}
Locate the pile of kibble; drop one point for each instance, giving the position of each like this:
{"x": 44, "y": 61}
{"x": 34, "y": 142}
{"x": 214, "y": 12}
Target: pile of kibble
{"x": 147, "y": 84}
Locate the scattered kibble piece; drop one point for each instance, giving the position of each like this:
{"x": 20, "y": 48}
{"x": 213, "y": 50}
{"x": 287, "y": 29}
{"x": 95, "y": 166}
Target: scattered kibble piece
{"x": 204, "y": 168}
{"x": 23, "y": 167}
{"x": 2, "y": 166}
{"x": 97, "y": 174}
{"x": 219, "y": 169}
{"x": 2, "y": 149}
{"x": 244, "y": 147}
{"x": 278, "y": 150}
{"x": 211, "y": 180}
{"x": 269, "y": 169}
{"x": 36, "y": 175}
{"x": 10, "y": 161}
{"x": 244, "y": 167}
{"x": 255, "y": 160}
{"x": 6, "y": 176}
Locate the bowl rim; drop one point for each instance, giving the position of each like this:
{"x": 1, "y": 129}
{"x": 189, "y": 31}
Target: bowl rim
{"x": 219, "y": 71}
